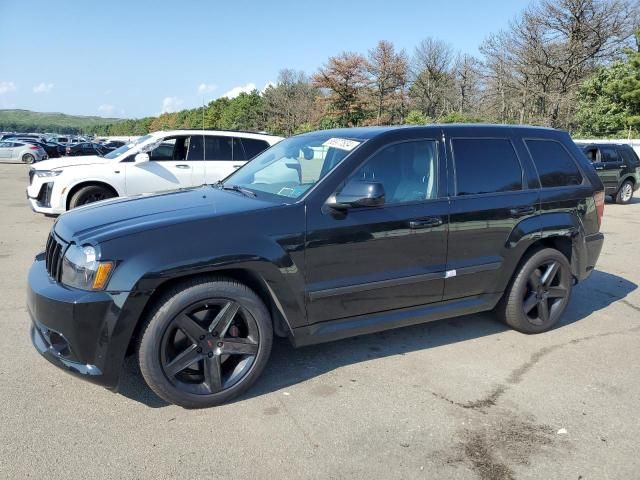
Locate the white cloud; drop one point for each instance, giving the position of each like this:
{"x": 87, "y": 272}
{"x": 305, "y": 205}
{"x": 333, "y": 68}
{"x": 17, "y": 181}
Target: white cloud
{"x": 7, "y": 87}
{"x": 42, "y": 87}
{"x": 107, "y": 109}
{"x": 171, "y": 104}
{"x": 267, "y": 85}
{"x": 206, "y": 88}
{"x": 235, "y": 91}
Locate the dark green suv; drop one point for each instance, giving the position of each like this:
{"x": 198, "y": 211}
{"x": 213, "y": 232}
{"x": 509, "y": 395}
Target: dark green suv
{"x": 618, "y": 167}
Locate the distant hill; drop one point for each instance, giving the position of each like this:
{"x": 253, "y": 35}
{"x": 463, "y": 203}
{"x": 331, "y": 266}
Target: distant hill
{"x": 28, "y": 121}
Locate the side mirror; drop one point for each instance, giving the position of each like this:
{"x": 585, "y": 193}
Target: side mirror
{"x": 141, "y": 157}
{"x": 358, "y": 194}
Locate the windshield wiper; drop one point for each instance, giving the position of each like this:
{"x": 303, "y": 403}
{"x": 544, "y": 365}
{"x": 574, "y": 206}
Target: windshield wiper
{"x": 236, "y": 188}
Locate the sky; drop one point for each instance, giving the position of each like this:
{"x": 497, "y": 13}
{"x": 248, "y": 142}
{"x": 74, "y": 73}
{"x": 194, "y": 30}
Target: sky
{"x": 138, "y": 58}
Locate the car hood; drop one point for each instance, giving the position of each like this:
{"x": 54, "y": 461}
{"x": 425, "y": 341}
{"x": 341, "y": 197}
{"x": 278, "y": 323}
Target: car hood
{"x": 64, "y": 162}
{"x": 114, "y": 218}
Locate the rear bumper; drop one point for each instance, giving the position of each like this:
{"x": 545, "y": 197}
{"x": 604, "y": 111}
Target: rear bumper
{"x": 83, "y": 333}
{"x": 593, "y": 247}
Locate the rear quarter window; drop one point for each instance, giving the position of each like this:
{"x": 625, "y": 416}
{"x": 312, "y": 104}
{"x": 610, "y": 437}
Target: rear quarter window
{"x": 253, "y": 147}
{"x": 485, "y": 165}
{"x": 555, "y": 166}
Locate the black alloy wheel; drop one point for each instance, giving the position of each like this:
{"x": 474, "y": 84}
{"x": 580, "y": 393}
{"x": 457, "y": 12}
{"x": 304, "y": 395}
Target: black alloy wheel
{"x": 205, "y": 341}
{"x": 539, "y": 292}
{"x": 209, "y": 346}
{"x": 548, "y": 287}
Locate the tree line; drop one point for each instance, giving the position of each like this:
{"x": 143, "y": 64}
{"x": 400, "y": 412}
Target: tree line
{"x": 572, "y": 64}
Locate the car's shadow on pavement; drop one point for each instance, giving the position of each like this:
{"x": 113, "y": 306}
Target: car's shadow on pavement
{"x": 289, "y": 366}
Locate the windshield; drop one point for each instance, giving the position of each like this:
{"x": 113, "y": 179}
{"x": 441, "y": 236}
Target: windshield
{"x": 125, "y": 148}
{"x": 294, "y": 165}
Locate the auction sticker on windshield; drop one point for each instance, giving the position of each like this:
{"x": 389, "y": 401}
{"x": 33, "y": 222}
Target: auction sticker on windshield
{"x": 341, "y": 143}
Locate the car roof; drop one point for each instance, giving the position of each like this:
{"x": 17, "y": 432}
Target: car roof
{"x": 365, "y": 133}
{"x": 224, "y": 133}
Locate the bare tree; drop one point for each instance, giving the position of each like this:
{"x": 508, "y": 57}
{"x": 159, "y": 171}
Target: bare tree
{"x": 431, "y": 76}
{"x": 466, "y": 71}
{"x": 290, "y": 102}
{"x": 388, "y": 71}
{"x": 535, "y": 67}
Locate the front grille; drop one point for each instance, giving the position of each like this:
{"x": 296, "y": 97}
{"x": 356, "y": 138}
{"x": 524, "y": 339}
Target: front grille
{"x": 53, "y": 256}
{"x": 32, "y": 172}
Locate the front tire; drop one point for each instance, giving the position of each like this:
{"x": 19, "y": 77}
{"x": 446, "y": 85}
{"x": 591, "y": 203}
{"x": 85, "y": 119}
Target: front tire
{"x": 89, "y": 194}
{"x": 625, "y": 193}
{"x": 206, "y": 341}
{"x": 539, "y": 292}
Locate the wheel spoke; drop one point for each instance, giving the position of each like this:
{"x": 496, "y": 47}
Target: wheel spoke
{"x": 224, "y": 318}
{"x": 557, "y": 292}
{"x": 240, "y": 346}
{"x": 550, "y": 273}
{"x": 182, "y": 361}
{"x": 534, "y": 279}
{"x": 189, "y": 326}
{"x": 212, "y": 373}
{"x": 543, "y": 310}
{"x": 530, "y": 302}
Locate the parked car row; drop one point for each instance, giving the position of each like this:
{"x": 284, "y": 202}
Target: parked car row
{"x": 20, "y": 151}
{"x": 323, "y": 236}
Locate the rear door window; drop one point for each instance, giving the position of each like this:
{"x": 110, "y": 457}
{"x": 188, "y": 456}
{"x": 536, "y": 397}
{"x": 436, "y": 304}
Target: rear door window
{"x": 218, "y": 148}
{"x": 555, "y": 166}
{"x": 609, "y": 154}
{"x": 485, "y": 165}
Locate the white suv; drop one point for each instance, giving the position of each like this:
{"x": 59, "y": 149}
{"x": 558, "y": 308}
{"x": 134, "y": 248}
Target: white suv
{"x": 155, "y": 162}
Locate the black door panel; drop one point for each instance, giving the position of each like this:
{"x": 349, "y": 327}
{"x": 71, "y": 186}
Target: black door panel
{"x": 372, "y": 260}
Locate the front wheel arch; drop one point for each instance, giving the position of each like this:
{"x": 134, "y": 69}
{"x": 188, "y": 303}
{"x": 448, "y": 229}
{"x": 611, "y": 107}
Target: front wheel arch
{"x": 251, "y": 279}
{"x": 72, "y": 191}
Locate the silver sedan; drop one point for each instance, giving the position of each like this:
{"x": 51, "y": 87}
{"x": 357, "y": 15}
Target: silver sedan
{"x": 20, "y": 152}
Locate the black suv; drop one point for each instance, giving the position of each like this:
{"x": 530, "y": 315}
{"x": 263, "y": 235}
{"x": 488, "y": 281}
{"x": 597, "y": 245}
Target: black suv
{"x": 618, "y": 167}
{"x": 323, "y": 236}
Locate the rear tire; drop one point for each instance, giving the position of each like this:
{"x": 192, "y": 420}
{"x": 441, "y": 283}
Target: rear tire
{"x": 205, "y": 341}
{"x": 625, "y": 193}
{"x": 539, "y": 292}
{"x": 89, "y": 194}
{"x": 28, "y": 158}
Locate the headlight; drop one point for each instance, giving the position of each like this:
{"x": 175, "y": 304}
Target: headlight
{"x": 81, "y": 268}
{"x": 48, "y": 173}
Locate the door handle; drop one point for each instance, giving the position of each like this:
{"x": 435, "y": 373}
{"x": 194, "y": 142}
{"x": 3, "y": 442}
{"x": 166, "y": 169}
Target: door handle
{"x": 237, "y": 166}
{"x": 522, "y": 211}
{"x": 181, "y": 165}
{"x": 599, "y": 168}
{"x": 425, "y": 223}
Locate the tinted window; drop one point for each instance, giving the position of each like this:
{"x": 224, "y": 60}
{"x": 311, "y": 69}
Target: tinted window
{"x": 218, "y": 148}
{"x": 171, "y": 149}
{"x": 555, "y": 166}
{"x": 406, "y": 170}
{"x": 629, "y": 156}
{"x": 196, "y": 148}
{"x": 486, "y": 165}
{"x": 609, "y": 154}
{"x": 253, "y": 147}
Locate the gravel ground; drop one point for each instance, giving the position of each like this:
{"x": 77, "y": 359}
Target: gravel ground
{"x": 462, "y": 398}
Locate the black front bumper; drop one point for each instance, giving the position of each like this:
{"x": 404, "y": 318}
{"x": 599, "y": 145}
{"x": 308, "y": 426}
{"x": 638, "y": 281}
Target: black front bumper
{"x": 84, "y": 333}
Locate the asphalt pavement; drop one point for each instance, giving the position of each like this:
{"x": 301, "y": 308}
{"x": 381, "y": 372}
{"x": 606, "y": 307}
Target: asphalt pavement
{"x": 461, "y": 398}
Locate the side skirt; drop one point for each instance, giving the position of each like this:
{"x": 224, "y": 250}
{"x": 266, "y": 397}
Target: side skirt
{"x": 377, "y": 322}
